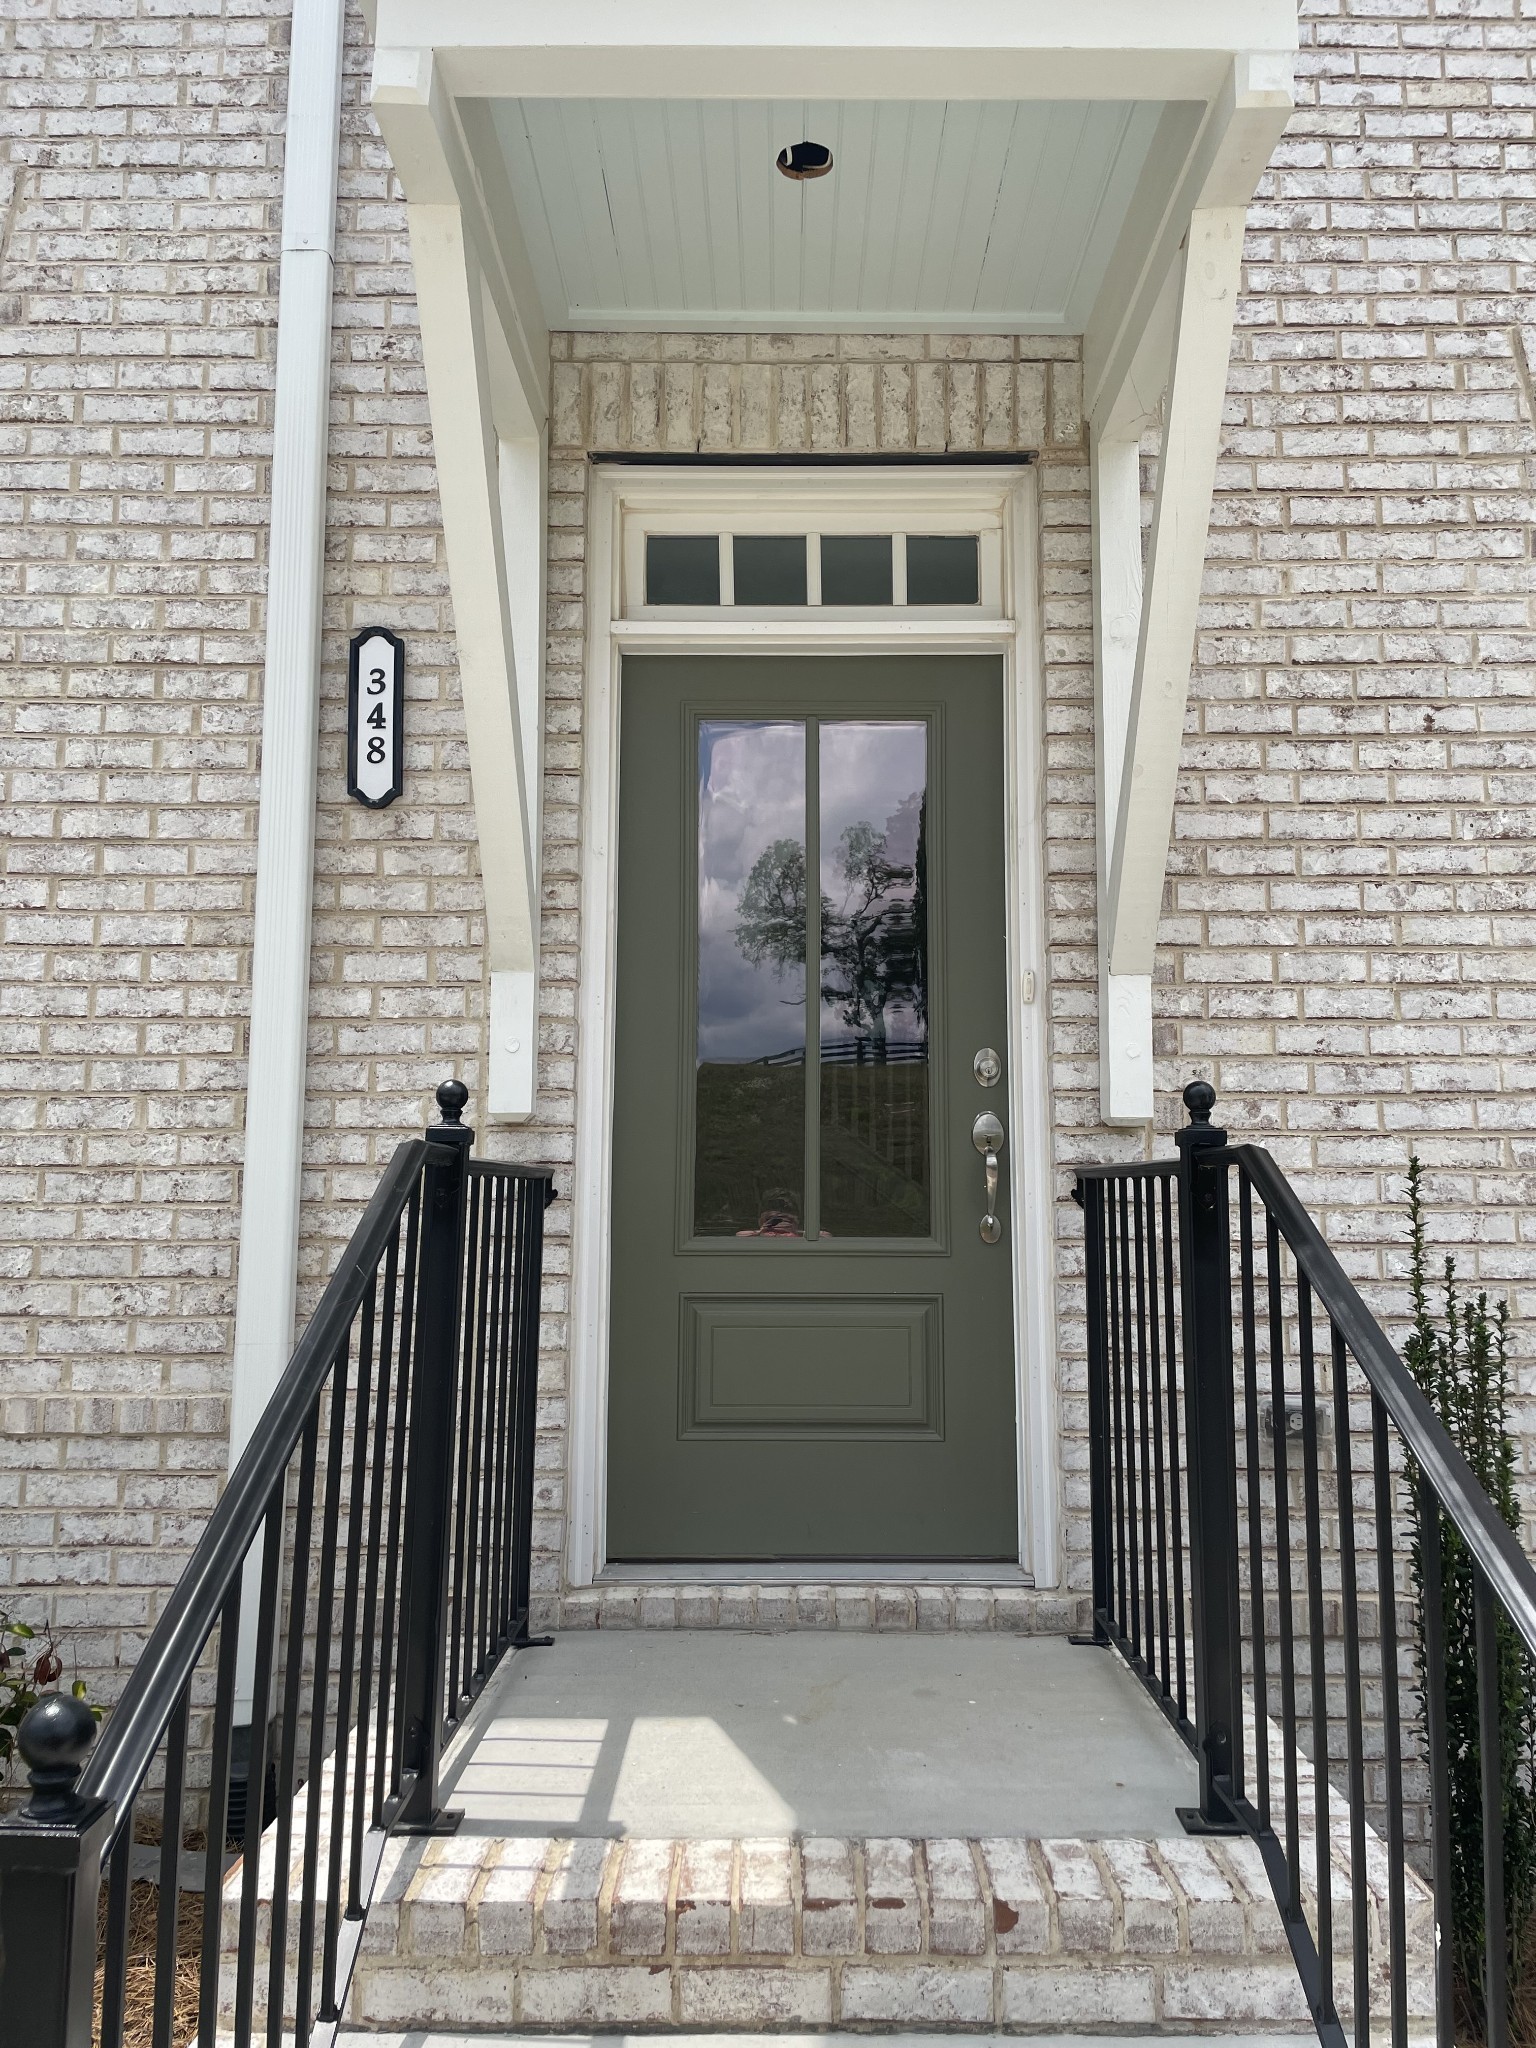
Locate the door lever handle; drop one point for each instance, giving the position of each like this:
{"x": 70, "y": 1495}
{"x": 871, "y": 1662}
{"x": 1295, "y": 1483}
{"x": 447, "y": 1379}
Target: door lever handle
{"x": 988, "y": 1138}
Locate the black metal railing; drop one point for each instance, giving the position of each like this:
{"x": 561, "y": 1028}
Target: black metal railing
{"x": 366, "y": 1567}
{"x": 1272, "y": 1500}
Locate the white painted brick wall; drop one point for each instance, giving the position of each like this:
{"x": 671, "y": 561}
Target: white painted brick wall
{"x": 1348, "y": 943}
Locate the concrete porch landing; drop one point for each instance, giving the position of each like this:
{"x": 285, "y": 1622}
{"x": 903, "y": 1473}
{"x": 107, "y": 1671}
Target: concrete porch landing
{"x": 708, "y": 1832}
{"x": 715, "y": 1735}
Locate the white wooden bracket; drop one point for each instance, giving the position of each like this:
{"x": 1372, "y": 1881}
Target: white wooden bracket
{"x": 1161, "y": 337}
{"x": 485, "y": 352}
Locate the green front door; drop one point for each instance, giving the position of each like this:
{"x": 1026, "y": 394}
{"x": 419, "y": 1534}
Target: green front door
{"x": 812, "y": 1344}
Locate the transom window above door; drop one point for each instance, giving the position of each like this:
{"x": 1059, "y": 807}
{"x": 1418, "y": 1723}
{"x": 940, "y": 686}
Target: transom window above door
{"x": 767, "y": 562}
{"x": 812, "y": 569}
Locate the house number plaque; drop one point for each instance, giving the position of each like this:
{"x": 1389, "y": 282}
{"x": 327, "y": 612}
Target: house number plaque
{"x": 375, "y": 704}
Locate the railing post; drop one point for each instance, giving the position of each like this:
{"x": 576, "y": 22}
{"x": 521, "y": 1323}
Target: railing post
{"x": 1206, "y": 1276}
{"x": 50, "y": 1878}
{"x": 429, "y": 1465}
{"x": 1090, "y": 1195}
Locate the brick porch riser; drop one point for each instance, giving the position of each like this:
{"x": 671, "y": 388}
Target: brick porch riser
{"x": 1019, "y": 1935}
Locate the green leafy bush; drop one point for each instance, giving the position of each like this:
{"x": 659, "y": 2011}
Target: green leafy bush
{"x": 1460, "y": 1358}
{"x": 30, "y": 1665}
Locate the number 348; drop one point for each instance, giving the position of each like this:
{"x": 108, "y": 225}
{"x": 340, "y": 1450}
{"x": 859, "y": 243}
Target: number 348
{"x": 377, "y": 720}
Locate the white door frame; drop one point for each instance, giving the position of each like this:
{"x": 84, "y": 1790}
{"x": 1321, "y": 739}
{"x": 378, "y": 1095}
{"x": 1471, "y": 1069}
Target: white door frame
{"x": 922, "y": 499}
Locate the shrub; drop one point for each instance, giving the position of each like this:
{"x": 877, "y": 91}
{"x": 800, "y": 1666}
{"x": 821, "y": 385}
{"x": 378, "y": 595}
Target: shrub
{"x": 30, "y": 1665}
{"x": 1461, "y": 1360}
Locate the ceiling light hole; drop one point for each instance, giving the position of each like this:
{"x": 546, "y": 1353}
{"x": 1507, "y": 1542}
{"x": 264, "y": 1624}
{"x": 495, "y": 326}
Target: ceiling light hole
{"x": 805, "y": 160}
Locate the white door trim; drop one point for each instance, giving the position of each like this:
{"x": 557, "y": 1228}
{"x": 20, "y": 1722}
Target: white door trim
{"x": 1006, "y": 495}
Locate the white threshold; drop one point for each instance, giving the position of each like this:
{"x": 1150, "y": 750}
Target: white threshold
{"x": 872, "y": 1572}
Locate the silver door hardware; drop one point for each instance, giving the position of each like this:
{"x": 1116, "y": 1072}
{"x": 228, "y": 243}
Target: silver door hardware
{"x": 987, "y": 1067}
{"x": 987, "y": 1137}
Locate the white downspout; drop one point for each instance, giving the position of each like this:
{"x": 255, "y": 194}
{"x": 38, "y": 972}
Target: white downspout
{"x": 285, "y": 856}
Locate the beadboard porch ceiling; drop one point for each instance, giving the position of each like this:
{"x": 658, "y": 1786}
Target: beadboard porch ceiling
{"x": 991, "y": 215}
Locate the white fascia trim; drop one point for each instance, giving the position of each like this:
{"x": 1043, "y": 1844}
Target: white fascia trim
{"x": 267, "y": 1284}
{"x": 883, "y": 49}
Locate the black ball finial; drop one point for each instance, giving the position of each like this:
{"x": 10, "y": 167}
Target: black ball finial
{"x": 55, "y": 1738}
{"x": 451, "y": 1098}
{"x": 1199, "y": 1100}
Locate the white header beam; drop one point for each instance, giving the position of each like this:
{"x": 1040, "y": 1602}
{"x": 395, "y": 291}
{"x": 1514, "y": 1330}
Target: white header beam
{"x": 879, "y": 49}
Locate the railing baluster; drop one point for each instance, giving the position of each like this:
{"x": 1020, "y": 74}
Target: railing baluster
{"x": 1250, "y": 1372}
{"x": 288, "y": 1730}
{"x": 114, "y": 1975}
{"x": 1160, "y": 1487}
{"x": 373, "y": 1649}
{"x": 218, "y": 1816}
{"x": 498, "y": 1534}
{"x": 1148, "y": 1626}
{"x": 391, "y": 1719}
{"x": 168, "y": 1904}
{"x": 343, "y": 1810}
{"x": 325, "y": 1600}
{"x": 1116, "y": 1435}
{"x": 261, "y": 1700}
{"x": 1316, "y": 1649}
{"x": 1274, "y": 1279}
{"x": 476, "y": 1505}
{"x": 1096, "y": 1281}
{"x": 459, "y": 1654}
{"x": 1353, "y": 1701}
{"x": 1432, "y": 1572}
{"x": 1490, "y": 1704}
{"x": 1392, "y": 1726}
{"x": 1128, "y": 1419}
{"x": 499, "y": 1624}
{"x": 1178, "y": 1463}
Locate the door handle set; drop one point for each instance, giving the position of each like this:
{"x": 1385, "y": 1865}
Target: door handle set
{"x": 988, "y": 1137}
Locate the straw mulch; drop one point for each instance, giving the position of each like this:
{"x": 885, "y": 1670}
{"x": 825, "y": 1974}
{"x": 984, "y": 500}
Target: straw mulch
{"x": 139, "y": 1983}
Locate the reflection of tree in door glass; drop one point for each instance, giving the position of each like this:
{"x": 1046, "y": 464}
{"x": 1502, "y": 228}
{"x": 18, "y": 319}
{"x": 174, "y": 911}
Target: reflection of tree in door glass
{"x": 749, "y": 1169}
{"x": 874, "y": 980}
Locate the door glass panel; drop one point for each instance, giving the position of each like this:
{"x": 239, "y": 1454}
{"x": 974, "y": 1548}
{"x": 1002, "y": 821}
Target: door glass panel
{"x": 749, "y": 1167}
{"x": 875, "y": 1179}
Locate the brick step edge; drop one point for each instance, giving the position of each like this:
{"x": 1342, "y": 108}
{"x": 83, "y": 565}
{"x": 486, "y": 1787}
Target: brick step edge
{"x": 943, "y": 1609}
{"x": 1016, "y": 1933}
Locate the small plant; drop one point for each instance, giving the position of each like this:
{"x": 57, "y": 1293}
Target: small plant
{"x": 30, "y": 1665}
{"x": 1461, "y": 1360}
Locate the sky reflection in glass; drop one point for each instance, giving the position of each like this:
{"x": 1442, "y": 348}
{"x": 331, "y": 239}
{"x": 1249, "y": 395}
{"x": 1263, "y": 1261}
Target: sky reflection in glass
{"x": 751, "y": 889}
